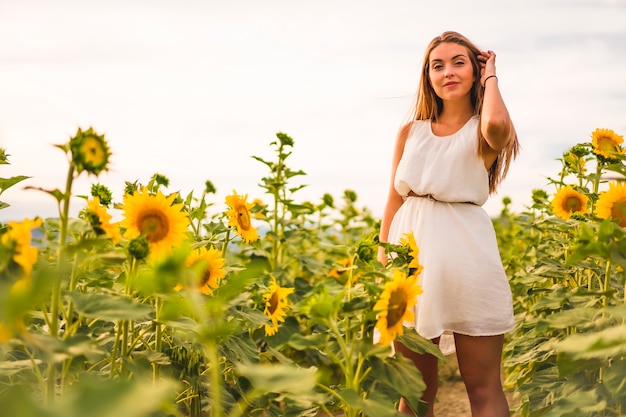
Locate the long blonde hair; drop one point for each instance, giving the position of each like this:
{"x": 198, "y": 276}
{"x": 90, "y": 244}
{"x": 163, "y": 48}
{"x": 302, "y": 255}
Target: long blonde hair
{"x": 429, "y": 106}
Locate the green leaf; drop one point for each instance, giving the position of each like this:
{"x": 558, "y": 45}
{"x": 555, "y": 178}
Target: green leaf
{"x": 400, "y": 374}
{"x": 566, "y": 318}
{"x": 56, "y": 193}
{"x": 296, "y": 382}
{"x": 96, "y": 397}
{"x": 108, "y": 307}
{"x": 607, "y": 343}
{"x": 412, "y": 340}
{"x": 6, "y": 183}
{"x": 240, "y": 349}
{"x": 9, "y": 368}
{"x": 576, "y": 404}
{"x": 377, "y": 405}
{"x": 302, "y": 342}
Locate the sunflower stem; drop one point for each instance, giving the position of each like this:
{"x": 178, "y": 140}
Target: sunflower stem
{"x": 607, "y": 278}
{"x": 72, "y": 288}
{"x": 158, "y": 345}
{"x": 596, "y": 185}
{"x": 215, "y": 386}
{"x": 225, "y": 245}
{"x": 55, "y": 300}
{"x": 350, "y": 378}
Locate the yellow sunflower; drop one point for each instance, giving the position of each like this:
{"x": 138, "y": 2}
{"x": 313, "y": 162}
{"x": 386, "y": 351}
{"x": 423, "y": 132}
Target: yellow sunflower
{"x": 276, "y": 305}
{"x": 606, "y": 143}
{"x": 342, "y": 272}
{"x": 5, "y": 333}
{"x": 90, "y": 151}
{"x": 409, "y": 240}
{"x": 259, "y": 209}
{"x": 239, "y": 216}
{"x": 154, "y": 216}
{"x": 612, "y": 203}
{"x": 19, "y": 238}
{"x": 395, "y": 306}
{"x": 100, "y": 220}
{"x": 567, "y": 201}
{"x": 213, "y": 268}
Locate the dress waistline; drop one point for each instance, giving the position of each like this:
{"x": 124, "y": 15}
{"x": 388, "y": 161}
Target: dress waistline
{"x": 411, "y": 193}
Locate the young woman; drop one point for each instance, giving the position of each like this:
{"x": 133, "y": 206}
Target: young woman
{"x": 448, "y": 159}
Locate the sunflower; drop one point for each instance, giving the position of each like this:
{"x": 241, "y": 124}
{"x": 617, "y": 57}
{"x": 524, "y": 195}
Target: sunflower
{"x": 90, "y": 151}
{"x": 276, "y": 304}
{"x": 409, "y": 240}
{"x": 395, "y": 306}
{"x": 96, "y": 214}
{"x": 154, "y": 216}
{"x": 612, "y": 203}
{"x": 213, "y": 268}
{"x": 18, "y": 238}
{"x": 5, "y": 333}
{"x": 344, "y": 271}
{"x": 606, "y": 143}
{"x": 567, "y": 201}
{"x": 239, "y": 216}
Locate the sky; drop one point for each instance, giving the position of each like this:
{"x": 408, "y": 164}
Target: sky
{"x": 194, "y": 89}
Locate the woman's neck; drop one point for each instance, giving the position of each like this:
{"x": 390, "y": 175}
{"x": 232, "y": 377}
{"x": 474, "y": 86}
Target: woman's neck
{"x": 454, "y": 114}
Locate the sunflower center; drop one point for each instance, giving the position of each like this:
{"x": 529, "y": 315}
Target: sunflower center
{"x": 93, "y": 152}
{"x": 205, "y": 277}
{"x": 572, "y": 204}
{"x": 274, "y": 303}
{"x": 397, "y": 307}
{"x": 153, "y": 225}
{"x": 618, "y": 211}
{"x": 243, "y": 218}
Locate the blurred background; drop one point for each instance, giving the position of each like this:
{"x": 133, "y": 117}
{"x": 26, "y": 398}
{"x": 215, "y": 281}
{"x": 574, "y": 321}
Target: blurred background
{"x": 193, "y": 89}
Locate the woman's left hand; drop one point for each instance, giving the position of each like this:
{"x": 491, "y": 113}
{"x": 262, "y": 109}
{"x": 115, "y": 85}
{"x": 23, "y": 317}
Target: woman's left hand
{"x": 487, "y": 61}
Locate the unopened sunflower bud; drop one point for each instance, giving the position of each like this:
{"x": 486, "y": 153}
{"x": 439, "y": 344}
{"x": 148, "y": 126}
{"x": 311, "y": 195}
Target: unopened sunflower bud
{"x": 139, "y": 248}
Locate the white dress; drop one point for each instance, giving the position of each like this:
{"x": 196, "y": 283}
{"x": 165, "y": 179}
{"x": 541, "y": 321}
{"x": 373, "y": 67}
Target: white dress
{"x": 465, "y": 288}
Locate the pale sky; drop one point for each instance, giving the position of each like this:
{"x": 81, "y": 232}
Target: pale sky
{"x": 193, "y": 89}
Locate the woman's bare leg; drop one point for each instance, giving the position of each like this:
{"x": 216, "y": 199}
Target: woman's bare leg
{"x": 479, "y": 360}
{"x": 429, "y": 367}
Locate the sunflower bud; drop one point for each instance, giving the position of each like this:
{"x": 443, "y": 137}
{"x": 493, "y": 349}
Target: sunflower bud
{"x": 209, "y": 188}
{"x": 367, "y": 250}
{"x": 103, "y": 193}
{"x": 139, "y": 248}
{"x": 90, "y": 152}
{"x": 130, "y": 188}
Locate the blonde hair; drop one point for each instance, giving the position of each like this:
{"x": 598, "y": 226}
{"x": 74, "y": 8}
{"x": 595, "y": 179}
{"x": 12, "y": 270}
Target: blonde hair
{"x": 429, "y": 106}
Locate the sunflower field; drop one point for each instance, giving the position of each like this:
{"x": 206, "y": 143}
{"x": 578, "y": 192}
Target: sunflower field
{"x": 189, "y": 306}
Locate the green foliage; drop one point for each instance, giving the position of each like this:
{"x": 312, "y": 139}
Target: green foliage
{"x": 566, "y": 354}
{"x": 92, "y": 326}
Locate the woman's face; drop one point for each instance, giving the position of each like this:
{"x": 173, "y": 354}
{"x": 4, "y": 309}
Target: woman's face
{"x": 450, "y": 71}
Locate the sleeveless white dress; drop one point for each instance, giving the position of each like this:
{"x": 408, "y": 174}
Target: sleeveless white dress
{"x": 465, "y": 288}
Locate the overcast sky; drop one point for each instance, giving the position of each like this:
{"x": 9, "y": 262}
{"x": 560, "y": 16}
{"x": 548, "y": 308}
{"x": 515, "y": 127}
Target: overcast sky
{"x": 193, "y": 89}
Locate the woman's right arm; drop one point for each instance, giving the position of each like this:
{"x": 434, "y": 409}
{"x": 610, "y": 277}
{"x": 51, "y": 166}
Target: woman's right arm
{"x": 394, "y": 200}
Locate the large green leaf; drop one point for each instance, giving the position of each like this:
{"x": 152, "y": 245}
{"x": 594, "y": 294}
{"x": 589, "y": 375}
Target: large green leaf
{"x": 139, "y": 397}
{"x": 297, "y": 383}
{"x": 279, "y": 378}
{"x": 302, "y": 342}
{"x": 606, "y": 343}
{"x": 108, "y": 306}
{"x": 401, "y": 375}
{"x": 412, "y": 340}
{"x": 581, "y": 403}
